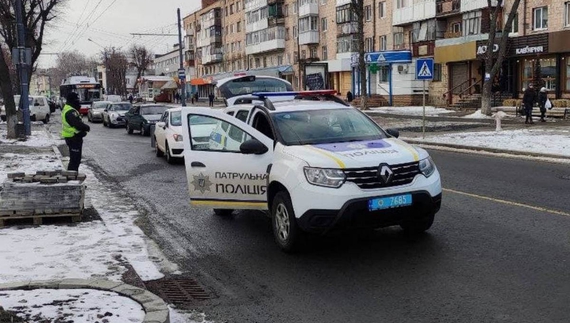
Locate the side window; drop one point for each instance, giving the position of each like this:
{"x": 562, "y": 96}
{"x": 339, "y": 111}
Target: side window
{"x": 164, "y": 117}
{"x": 242, "y": 115}
{"x": 261, "y": 124}
{"x": 217, "y": 139}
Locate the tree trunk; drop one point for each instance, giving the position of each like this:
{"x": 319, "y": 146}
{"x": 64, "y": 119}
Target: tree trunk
{"x": 7, "y": 93}
{"x": 486, "y": 97}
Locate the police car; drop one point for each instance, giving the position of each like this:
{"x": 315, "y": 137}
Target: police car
{"x": 314, "y": 163}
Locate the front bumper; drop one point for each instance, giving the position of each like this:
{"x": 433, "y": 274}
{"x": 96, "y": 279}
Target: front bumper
{"x": 355, "y": 214}
{"x": 176, "y": 148}
{"x": 119, "y": 121}
{"x": 96, "y": 117}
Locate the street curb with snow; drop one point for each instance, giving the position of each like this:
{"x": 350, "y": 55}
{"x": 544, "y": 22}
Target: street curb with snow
{"x": 156, "y": 310}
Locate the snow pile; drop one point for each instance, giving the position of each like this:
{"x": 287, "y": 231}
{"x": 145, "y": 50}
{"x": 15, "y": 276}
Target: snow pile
{"x": 477, "y": 115}
{"x": 76, "y": 305}
{"x": 411, "y": 111}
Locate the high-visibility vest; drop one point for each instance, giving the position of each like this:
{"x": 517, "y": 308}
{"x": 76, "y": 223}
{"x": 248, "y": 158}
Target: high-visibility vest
{"x": 67, "y": 131}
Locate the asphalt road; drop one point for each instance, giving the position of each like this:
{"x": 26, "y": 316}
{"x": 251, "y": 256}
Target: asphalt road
{"x": 498, "y": 252}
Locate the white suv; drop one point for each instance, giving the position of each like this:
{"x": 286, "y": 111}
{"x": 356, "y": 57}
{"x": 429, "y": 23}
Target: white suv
{"x": 315, "y": 165}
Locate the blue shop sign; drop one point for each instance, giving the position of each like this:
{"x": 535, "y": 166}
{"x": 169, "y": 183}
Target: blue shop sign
{"x": 388, "y": 57}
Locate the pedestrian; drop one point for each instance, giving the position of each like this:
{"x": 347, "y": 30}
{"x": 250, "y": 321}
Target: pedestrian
{"x": 131, "y": 98}
{"x": 211, "y": 99}
{"x": 542, "y": 98}
{"x": 177, "y": 97}
{"x": 349, "y": 96}
{"x": 73, "y": 130}
{"x": 192, "y": 97}
{"x": 529, "y": 98}
{"x": 196, "y": 96}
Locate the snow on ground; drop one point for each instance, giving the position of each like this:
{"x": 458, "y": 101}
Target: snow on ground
{"x": 417, "y": 123}
{"x": 75, "y": 305}
{"x": 477, "y": 115}
{"x": 411, "y": 111}
{"x": 39, "y": 138}
{"x": 542, "y": 141}
{"x": 11, "y": 163}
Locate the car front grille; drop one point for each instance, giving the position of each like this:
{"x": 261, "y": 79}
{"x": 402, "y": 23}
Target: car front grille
{"x": 367, "y": 178}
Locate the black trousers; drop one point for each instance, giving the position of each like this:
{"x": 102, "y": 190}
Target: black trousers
{"x": 75, "y": 147}
{"x": 528, "y": 111}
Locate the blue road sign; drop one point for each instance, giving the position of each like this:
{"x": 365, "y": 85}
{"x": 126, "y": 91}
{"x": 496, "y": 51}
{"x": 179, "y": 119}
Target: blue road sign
{"x": 424, "y": 69}
{"x": 181, "y": 73}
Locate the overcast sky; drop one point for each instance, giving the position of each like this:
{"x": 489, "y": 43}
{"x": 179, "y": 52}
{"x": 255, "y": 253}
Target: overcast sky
{"x": 110, "y": 23}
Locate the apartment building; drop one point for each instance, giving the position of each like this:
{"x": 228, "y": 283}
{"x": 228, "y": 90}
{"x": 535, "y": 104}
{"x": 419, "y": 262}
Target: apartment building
{"x": 313, "y": 44}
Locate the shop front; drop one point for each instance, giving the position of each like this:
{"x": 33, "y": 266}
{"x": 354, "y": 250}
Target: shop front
{"x": 460, "y": 72}
{"x": 533, "y": 63}
{"x": 559, "y": 45}
{"x": 504, "y": 81}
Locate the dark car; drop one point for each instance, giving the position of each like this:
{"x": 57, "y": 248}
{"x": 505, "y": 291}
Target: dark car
{"x": 52, "y": 105}
{"x": 141, "y": 117}
{"x": 163, "y": 97}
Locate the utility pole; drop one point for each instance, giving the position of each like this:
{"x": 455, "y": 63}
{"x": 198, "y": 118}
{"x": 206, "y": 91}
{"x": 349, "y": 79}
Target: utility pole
{"x": 24, "y": 60}
{"x": 181, "y": 70}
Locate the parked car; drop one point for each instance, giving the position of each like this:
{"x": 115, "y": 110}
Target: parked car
{"x": 39, "y": 108}
{"x": 141, "y": 117}
{"x": 168, "y": 134}
{"x": 95, "y": 113}
{"x": 114, "y": 114}
{"x": 164, "y": 96}
{"x": 314, "y": 166}
{"x": 52, "y": 106}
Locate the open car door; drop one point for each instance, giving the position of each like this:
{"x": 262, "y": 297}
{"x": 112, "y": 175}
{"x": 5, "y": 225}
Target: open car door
{"x": 228, "y": 170}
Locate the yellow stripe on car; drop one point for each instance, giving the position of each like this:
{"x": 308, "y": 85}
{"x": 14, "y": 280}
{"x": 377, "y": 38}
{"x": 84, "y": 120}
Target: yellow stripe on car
{"x": 230, "y": 204}
{"x": 331, "y": 156}
{"x": 406, "y": 146}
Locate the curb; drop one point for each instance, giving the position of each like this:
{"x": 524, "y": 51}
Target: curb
{"x": 156, "y": 310}
{"x": 435, "y": 145}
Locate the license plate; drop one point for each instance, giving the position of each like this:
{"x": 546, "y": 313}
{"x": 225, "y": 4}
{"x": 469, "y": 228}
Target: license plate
{"x": 389, "y": 202}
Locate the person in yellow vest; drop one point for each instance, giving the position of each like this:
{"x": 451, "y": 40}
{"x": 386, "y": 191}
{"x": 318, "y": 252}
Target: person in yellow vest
{"x": 73, "y": 130}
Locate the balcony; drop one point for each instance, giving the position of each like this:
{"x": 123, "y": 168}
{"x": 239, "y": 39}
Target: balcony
{"x": 309, "y": 37}
{"x": 347, "y": 28}
{"x": 419, "y": 11}
{"x": 266, "y": 46}
{"x": 190, "y": 47}
{"x": 275, "y": 21}
{"x": 470, "y": 5}
{"x": 211, "y": 58}
{"x": 309, "y": 8}
{"x": 273, "y": 2}
{"x": 256, "y": 26}
{"x": 342, "y": 2}
{"x": 215, "y": 39}
{"x": 212, "y": 22}
{"x": 189, "y": 32}
{"x": 190, "y": 62}
{"x": 444, "y": 8}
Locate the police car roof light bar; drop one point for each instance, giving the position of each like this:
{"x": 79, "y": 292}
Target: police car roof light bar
{"x": 329, "y": 95}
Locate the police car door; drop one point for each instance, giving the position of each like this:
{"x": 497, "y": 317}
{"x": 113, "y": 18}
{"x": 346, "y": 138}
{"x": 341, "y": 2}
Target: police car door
{"x": 230, "y": 171}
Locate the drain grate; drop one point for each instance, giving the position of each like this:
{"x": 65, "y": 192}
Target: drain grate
{"x": 178, "y": 290}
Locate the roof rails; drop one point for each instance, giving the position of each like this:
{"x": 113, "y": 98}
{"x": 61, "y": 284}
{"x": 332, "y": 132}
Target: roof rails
{"x": 297, "y": 95}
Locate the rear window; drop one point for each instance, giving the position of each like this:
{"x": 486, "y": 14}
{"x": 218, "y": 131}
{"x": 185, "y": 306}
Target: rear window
{"x": 155, "y": 109}
{"x": 249, "y": 85}
{"x": 121, "y": 107}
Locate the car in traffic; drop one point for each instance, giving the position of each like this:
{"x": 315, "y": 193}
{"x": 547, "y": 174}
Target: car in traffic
{"x": 114, "y": 114}
{"x": 314, "y": 164}
{"x": 168, "y": 136}
{"x": 96, "y": 111}
{"x": 235, "y": 88}
{"x": 141, "y": 117}
{"x": 163, "y": 96}
{"x": 38, "y": 105}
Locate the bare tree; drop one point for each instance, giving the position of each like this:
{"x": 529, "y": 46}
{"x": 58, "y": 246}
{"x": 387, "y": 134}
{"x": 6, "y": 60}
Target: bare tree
{"x": 71, "y": 63}
{"x": 117, "y": 64}
{"x": 493, "y": 61}
{"x": 141, "y": 59}
{"x": 36, "y": 14}
{"x": 357, "y": 9}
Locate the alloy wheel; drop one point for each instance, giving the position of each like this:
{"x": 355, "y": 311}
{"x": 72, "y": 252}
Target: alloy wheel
{"x": 282, "y": 223}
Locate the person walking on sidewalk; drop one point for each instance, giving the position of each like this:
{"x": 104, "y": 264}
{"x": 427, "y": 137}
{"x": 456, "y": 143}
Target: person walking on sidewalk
{"x": 529, "y": 98}
{"x": 73, "y": 130}
{"x": 211, "y": 99}
{"x": 542, "y": 98}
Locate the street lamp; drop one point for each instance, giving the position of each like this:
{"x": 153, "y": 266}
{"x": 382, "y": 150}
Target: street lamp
{"x": 106, "y": 64}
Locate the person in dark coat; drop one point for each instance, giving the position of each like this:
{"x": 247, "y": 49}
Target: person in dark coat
{"x": 211, "y": 99}
{"x": 542, "y": 98}
{"x": 73, "y": 130}
{"x": 529, "y": 98}
{"x": 349, "y": 96}
{"x": 131, "y": 98}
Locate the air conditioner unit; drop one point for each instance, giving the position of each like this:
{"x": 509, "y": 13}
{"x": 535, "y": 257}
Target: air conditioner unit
{"x": 403, "y": 69}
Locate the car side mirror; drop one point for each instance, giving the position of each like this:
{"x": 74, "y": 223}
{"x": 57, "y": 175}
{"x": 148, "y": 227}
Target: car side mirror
{"x": 253, "y": 146}
{"x": 106, "y": 110}
{"x": 393, "y": 132}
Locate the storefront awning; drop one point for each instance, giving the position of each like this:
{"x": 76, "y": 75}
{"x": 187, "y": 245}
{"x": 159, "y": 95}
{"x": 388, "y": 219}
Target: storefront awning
{"x": 170, "y": 85}
{"x": 199, "y": 81}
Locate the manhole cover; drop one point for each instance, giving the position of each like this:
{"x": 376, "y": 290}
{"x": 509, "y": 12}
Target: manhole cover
{"x": 178, "y": 290}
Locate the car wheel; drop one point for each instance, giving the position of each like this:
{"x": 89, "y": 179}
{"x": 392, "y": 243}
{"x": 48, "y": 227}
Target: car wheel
{"x": 169, "y": 158}
{"x": 418, "y": 225}
{"x": 46, "y": 119}
{"x": 129, "y": 129}
{"x": 223, "y": 212}
{"x": 285, "y": 230}
{"x": 89, "y": 118}
{"x": 143, "y": 132}
{"x": 157, "y": 150}
{"x": 104, "y": 122}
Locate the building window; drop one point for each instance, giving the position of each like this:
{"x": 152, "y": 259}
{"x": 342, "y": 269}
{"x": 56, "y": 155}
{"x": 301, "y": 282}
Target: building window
{"x": 232, "y": 9}
{"x": 400, "y": 4}
{"x": 286, "y": 10}
{"x": 540, "y": 17}
{"x": 384, "y": 73}
{"x": 310, "y": 23}
{"x": 515, "y": 25}
{"x": 436, "y": 72}
{"x": 279, "y": 60}
{"x": 295, "y": 32}
{"x": 547, "y": 73}
{"x": 383, "y": 42}
{"x": 472, "y": 23}
{"x": 456, "y": 28}
{"x": 226, "y": 11}
{"x": 237, "y": 6}
{"x": 303, "y": 54}
{"x": 286, "y": 33}
{"x": 314, "y": 53}
{"x": 368, "y": 12}
{"x": 399, "y": 40}
{"x": 381, "y": 9}
{"x": 325, "y": 55}
{"x": 345, "y": 14}
{"x": 238, "y": 26}
{"x": 324, "y": 24}
{"x": 368, "y": 47}
{"x": 567, "y": 14}
{"x": 295, "y": 7}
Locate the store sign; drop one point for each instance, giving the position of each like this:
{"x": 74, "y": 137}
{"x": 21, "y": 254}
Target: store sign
{"x": 482, "y": 49}
{"x": 529, "y": 50}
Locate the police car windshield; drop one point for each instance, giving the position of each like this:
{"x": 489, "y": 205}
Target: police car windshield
{"x": 121, "y": 107}
{"x": 155, "y": 109}
{"x": 325, "y": 126}
{"x": 255, "y": 84}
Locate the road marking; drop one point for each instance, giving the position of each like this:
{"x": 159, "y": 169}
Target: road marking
{"x": 536, "y": 208}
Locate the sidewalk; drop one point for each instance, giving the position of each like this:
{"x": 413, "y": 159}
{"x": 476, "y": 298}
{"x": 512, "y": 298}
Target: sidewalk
{"x": 106, "y": 244}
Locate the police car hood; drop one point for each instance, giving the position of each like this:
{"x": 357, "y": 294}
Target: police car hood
{"x": 358, "y": 154}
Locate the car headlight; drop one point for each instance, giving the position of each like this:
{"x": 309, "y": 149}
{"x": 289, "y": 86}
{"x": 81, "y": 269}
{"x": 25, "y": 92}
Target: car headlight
{"x": 113, "y": 116}
{"x": 177, "y": 137}
{"x": 325, "y": 177}
{"x": 427, "y": 167}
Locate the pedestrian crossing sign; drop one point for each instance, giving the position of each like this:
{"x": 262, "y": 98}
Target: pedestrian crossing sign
{"x": 424, "y": 69}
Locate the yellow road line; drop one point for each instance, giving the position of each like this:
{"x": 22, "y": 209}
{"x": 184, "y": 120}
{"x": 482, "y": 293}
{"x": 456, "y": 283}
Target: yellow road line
{"x": 536, "y": 208}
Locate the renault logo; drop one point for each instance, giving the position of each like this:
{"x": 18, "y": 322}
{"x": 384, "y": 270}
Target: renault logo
{"x": 385, "y": 173}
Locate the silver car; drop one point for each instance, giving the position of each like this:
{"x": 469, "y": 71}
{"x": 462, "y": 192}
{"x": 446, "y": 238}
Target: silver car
{"x": 95, "y": 113}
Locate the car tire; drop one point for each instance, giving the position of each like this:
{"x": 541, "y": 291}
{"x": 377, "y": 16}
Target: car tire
{"x": 418, "y": 225}
{"x": 223, "y": 212}
{"x": 46, "y": 119}
{"x": 286, "y": 232}
{"x": 89, "y": 118}
{"x": 104, "y": 122}
{"x": 143, "y": 132}
{"x": 169, "y": 158}
{"x": 129, "y": 129}
{"x": 157, "y": 151}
